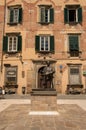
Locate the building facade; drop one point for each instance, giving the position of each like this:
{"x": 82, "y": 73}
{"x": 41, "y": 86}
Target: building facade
{"x": 2, "y": 27}
{"x": 37, "y": 31}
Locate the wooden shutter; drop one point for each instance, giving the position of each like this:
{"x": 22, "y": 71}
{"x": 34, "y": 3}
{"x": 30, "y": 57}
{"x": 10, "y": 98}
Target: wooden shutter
{"x": 76, "y": 39}
{"x": 65, "y": 15}
{"x": 19, "y": 45}
{"x": 80, "y": 15}
{"x": 42, "y": 15}
{"x": 8, "y": 16}
{"x": 51, "y": 15}
{"x": 5, "y": 43}
{"x": 37, "y": 43}
{"x": 73, "y": 43}
{"x": 20, "y": 15}
{"x": 11, "y": 15}
{"x": 52, "y": 44}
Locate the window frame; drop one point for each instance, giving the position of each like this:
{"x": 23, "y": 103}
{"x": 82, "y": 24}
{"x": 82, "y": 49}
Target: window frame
{"x": 76, "y": 19}
{"x": 44, "y": 13}
{"x": 15, "y": 16}
{"x": 13, "y": 44}
{"x": 44, "y": 43}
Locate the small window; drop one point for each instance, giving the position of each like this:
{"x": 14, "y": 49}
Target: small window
{"x": 74, "y": 45}
{"x": 73, "y": 14}
{"x": 15, "y": 15}
{"x": 46, "y": 14}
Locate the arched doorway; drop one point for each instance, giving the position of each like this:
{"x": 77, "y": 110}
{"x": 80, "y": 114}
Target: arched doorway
{"x": 42, "y": 81}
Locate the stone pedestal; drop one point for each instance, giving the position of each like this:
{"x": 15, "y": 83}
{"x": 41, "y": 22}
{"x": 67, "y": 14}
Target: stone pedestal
{"x": 44, "y": 103}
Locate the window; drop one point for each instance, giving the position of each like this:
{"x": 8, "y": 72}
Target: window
{"x": 73, "y": 14}
{"x": 12, "y": 43}
{"x": 15, "y": 15}
{"x": 11, "y": 75}
{"x": 46, "y": 14}
{"x": 75, "y": 75}
{"x": 74, "y": 45}
{"x": 44, "y": 43}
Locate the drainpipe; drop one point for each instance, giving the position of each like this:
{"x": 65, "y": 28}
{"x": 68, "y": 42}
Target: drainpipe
{"x": 3, "y": 32}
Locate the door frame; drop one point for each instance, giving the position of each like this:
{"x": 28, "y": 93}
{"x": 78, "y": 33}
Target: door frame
{"x": 37, "y": 65}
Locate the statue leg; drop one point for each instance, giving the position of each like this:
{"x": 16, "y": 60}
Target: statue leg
{"x": 45, "y": 82}
{"x": 51, "y": 80}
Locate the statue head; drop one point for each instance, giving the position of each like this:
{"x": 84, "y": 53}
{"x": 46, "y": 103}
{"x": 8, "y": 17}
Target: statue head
{"x": 48, "y": 63}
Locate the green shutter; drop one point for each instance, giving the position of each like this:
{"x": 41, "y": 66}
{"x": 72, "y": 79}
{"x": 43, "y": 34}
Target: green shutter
{"x": 19, "y": 47}
{"x": 5, "y": 43}
{"x": 11, "y": 16}
{"x": 65, "y": 15}
{"x": 51, "y": 43}
{"x": 80, "y": 15}
{"x": 73, "y": 43}
{"x": 20, "y": 15}
{"x": 37, "y": 43}
{"x": 51, "y": 15}
{"x": 42, "y": 15}
{"x": 76, "y": 43}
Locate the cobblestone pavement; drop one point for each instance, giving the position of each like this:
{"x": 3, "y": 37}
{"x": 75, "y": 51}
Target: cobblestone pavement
{"x": 14, "y": 115}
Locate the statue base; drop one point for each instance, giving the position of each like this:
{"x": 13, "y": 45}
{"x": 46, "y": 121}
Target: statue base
{"x": 44, "y": 92}
{"x": 43, "y": 103}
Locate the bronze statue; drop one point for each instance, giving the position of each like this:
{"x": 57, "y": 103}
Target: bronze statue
{"x": 47, "y": 76}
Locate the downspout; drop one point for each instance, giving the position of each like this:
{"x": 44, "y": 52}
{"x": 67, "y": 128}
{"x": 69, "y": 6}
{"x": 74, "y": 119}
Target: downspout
{"x": 3, "y": 32}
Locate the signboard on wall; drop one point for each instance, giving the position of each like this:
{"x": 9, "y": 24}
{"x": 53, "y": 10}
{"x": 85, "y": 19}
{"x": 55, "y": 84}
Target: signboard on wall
{"x": 11, "y": 74}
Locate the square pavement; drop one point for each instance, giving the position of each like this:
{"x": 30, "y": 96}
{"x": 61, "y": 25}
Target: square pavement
{"x": 14, "y": 115}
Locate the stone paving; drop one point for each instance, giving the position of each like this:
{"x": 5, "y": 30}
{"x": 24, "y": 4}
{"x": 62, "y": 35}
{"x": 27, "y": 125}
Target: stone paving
{"x": 15, "y": 116}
